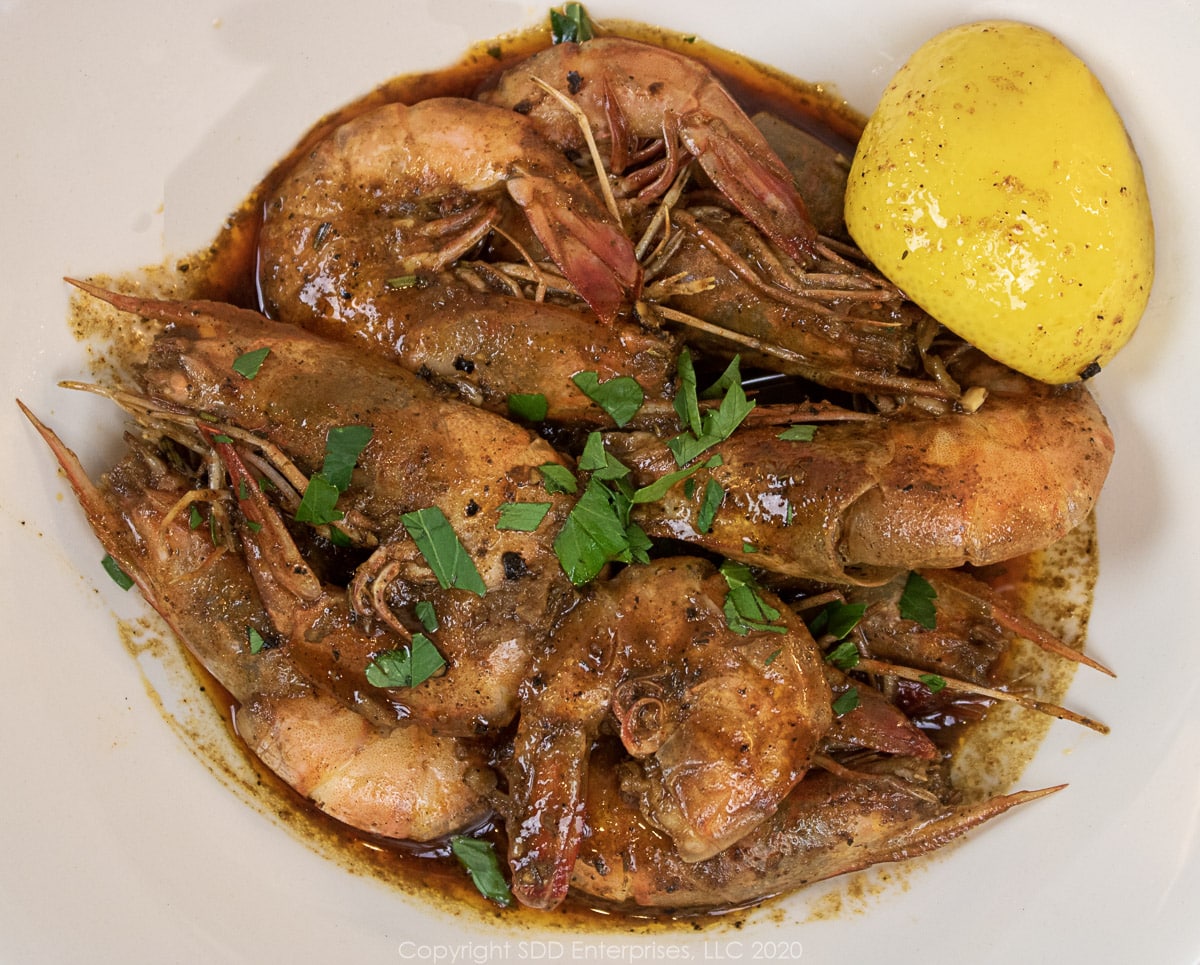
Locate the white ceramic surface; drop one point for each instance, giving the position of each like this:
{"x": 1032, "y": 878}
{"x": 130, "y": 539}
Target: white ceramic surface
{"x": 131, "y": 128}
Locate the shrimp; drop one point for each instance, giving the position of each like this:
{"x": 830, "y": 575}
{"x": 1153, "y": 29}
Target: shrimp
{"x": 839, "y": 324}
{"x": 871, "y": 496}
{"x": 830, "y": 824}
{"x": 490, "y": 345}
{"x": 722, "y": 726}
{"x": 404, "y": 782}
{"x": 358, "y": 763}
{"x": 403, "y": 190}
{"x": 629, "y": 91}
{"x": 425, "y": 452}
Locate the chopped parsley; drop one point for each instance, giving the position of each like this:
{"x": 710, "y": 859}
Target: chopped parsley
{"x": 620, "y": 397}
{"x": 597, "y": 531}
{"x": 570, "y": 25}
{"x": 255, "y": 639}
{"x": 426, "y": 614}
{"x": 522, "y": 517}
{"x": 801, "y": 433}
{"x": 343, "y": 446}
{"x": 530, "y": 406}
{"x": 745, "y": 609}
{"x": 916, "y": 601}
{"x": 406, "y": 666}
{"x": 558, "y": 478}
{"x": 844, "y": 656}
{"x": 847, "y": 702}
{"x": 480, "y": 861}
{"x": 714, "y": 495}
{"x": 599, "y": 461}
{"x": 443, "y": 550}
{"x": 836, "y": 620}
{"x": 658, "y": 489}
{"x": 707, "y": 428}
{"x": 113, "y": 569}
{"x": 317, "y": 504}
{"x": 249, "y": 363}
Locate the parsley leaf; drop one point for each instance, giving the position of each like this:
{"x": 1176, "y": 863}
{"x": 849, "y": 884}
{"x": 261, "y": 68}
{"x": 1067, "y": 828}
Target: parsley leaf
{"x": 249, "y": 363}
{"x": 571, "y": 25}
{"x": 933, "y": 682}
{"x": 426, "y": 614}
{"x": 714, "y": 495}
{"x": 620, "y": 397}
{"x": 837, "y": 620}
{"x": 317, "y": 504}
{"x": 113, "y": 569}
{"x": 480, "y": 861}
{"x": 847, "y": 702}
{"x": 255, "y": 639}
{"x": 343, "y": 446}
{"x": 532, "y": 406}
{"x": 745, "y": 609}
{"x": 916, "y": 602}
{"x": 443, "y": 551}
{"x": 598, "y": 461}
{"x": 406, "y": 666}
{"x": 558, "y": 479}
{"x": 844, "y": 656}
{"x": 595, "y": 533}
{"x": 686, "y": 403}
{"x": 522, "y": 517}
{"x": 657, "y": 489}
{"x": 715, "y": 426}
{"x": 802, "y": 433}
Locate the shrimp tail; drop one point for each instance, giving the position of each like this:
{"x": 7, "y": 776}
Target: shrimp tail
{"x": 756, "y": 184}
{"x": 551, "y": 790}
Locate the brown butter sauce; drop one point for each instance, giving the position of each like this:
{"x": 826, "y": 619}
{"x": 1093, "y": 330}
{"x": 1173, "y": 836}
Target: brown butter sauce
{"x": 226, "y": 271}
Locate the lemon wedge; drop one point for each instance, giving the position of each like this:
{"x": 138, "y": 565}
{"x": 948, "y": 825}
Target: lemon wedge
{"x": 996, "y": 185}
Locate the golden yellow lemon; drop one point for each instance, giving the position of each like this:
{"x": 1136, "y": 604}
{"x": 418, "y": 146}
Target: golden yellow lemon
{"x": 996, "y": 185}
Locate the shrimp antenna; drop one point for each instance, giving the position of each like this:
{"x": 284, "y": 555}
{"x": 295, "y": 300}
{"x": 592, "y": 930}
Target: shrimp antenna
{"x": 869, "y": 665}
{"x": 586, "y": 127}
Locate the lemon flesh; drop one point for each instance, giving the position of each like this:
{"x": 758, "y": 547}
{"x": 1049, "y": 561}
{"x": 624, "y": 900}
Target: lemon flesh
{"x": 996, "y": 185}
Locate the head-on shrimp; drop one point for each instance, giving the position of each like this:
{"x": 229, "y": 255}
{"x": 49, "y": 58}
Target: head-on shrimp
{"x": 765, "y": 283}
{"x": 630, "y": 92}
{"x": 425, "y": 452}
{"x": 867, "y": 498}
{"x": 722, "y": 726}
{"x": 830, "y": 824}
{"x": 403, "y": 190}
{"x": 350, "y": 756}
